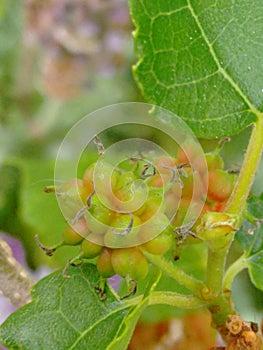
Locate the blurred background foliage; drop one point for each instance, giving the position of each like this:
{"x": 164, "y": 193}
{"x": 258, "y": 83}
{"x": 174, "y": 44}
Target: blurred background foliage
{"x": 60, "y": 60}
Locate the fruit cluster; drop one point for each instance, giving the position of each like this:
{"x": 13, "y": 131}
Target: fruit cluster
{"x": 119, "y": 222}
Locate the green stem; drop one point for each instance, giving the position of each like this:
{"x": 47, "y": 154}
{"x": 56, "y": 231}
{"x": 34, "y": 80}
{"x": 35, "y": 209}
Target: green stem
{"x": 215, "y": 271}
{"x": 170, "y": 298}
{"x": 191, "y": 283}
{"x": 220, "y": 305}
{"x": 174, "y": 299}
{"x": 237, "y": 201}
{"x": 239, "y": 265}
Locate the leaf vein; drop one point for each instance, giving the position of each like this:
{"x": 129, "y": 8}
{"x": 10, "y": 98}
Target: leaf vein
{"x": 220, "y": 68}
{"x": 95, "y": 324}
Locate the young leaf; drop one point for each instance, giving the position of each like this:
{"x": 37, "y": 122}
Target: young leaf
{"x": 68, "y": 314}
{"x": 196, "y": 58}
{"x": 251, "y": 238}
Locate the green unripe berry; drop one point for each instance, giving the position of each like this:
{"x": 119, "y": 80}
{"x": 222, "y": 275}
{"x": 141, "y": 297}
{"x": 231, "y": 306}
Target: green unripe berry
{"x": 155, "y": 202}
{"x": 106, "y": 178}
{"x": 130, "y": 262}
{"x": 154, "y": 227}
{"x": 89, "y": 249}
{"x": 122, "y": 233}
{"x": 125, "y": 180}
{"x": 122, "y": 221}
{"x": 160, "y": 244}
{"x": 130, "y": 193}
{"x": 75, "y": 235}
{"x": 104, "y": 264}
{"x": 100, "y": 216}
{"x": 214, "y": 161}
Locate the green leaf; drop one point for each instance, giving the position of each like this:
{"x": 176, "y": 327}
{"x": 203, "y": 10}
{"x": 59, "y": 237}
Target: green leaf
{"x": 247, "y": 298}
{"x": 250, "y": 236}
{"x": 68, "y": 314}
{"x": 255, "y": 206}
{"x": 197, "y": 59}
{"x": 255, "y": 268}
{"x": 251, "y": 239}
{"x": 122, "y": 338}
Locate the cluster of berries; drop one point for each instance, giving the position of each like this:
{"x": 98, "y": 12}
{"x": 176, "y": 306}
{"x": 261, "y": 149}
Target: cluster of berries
{"x": 113, "y": 230}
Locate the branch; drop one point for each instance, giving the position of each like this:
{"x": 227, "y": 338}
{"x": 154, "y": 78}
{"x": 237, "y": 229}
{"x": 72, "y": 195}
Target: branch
{"x": 15, "y": 281}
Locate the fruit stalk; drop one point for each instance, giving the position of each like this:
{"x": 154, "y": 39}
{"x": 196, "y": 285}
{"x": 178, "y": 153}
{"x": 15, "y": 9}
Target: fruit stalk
{"x": 191, "y": 283}
{"x": 170, "y": 298}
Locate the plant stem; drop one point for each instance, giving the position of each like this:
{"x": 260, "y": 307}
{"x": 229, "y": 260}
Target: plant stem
{"x": 215, "y": 271}
{"x": 239, "y": 265}
{"x": 191, "y": 283}
{"x": 220, "y": 306}
{"x": 237, "y": 201}
{"x": 174, "y": 299}
{"x": 170, "y": 298}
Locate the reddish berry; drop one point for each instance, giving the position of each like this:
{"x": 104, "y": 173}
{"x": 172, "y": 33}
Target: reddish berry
{"x": 104, "y": 264}
{"x": 172, "y": 200}
{"x": 192, "y": 185}
{"x": 218, "y": 206}
{"x": 88, "y": 179}
{"x": 158, "y": 180}
{"x": 89, "y": 249}
{"x": 74, "y": 188}
{"x": 187, "y": 152}
{"x": 220, "y": 184}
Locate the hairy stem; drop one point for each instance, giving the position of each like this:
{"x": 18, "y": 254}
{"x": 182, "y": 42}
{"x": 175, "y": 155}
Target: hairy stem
{"x": 237, "y": 201}
{"x": 220, "y": 306}
{"x": 239, "y": 265}
{"x": 191, "y": 283}
{"x": 15, "y": 281}
{"x": 215, "y": 271}
{"x": 171, "y": 298}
